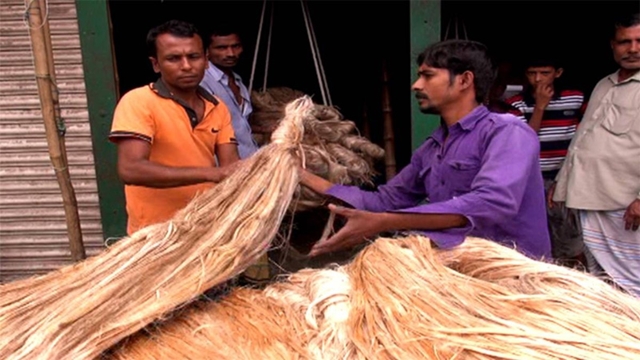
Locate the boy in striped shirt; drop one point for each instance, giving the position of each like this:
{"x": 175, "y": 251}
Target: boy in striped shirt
{"x": 554, "y": 114}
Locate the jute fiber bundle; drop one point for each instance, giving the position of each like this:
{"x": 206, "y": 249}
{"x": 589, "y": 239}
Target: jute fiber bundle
{"x": 84, "y": 309}
{"x": 333, "y": 148}
{"x": 403, "y": 299}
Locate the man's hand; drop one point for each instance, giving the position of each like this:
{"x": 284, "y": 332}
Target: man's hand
{"x": 220, "y": 173}
{"x": 360, "y": 224}
{"x": 632, "y": 216}
{"x": 543, "y": 95}
{"x": 550, "y": 192}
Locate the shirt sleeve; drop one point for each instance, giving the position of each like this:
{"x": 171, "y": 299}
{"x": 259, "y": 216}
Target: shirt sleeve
{"x": 498, "y": 188}
{"x": 226, "y": 135}
{"x": 132, "y": 118}
{"x": 403, "y": 190}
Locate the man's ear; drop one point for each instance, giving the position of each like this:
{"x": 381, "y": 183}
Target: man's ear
{"x": 559, "y": 72}
{"x": 466, "y": 80}
{"x": 154, "y": 63}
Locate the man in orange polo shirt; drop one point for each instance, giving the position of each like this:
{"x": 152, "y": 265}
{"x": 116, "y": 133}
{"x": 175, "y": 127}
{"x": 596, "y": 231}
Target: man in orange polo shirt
{"x": 169, "y": 133}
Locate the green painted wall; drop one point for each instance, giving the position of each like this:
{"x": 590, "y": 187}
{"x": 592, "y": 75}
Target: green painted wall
{"x": 425, "y": 30}
{"x": 102, "y": 95}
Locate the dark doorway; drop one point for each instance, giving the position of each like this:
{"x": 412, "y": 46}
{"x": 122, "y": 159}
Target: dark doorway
{"x": 353, "y": 36}
{"x": 577, "y": 32}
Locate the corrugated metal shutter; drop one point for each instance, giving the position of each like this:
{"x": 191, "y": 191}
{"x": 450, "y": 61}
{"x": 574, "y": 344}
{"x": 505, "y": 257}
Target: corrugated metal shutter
{"x": 33, "y": 234}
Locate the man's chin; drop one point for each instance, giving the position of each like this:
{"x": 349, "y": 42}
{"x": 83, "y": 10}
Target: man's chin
{"x": 429, "y": 111}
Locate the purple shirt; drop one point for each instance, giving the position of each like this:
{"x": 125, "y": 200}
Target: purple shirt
{"x": 487, "y": 170}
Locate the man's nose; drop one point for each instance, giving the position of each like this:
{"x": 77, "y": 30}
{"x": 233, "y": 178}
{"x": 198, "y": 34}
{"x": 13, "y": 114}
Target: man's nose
{"x": 635, "y": 46}
{"x": 185, "y": 64}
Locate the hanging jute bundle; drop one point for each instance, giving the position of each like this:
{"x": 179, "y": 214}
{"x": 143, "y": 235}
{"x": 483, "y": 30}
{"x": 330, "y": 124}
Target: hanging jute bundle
{"x": 333, "y": 148}
{"x": 82, "y": 310}
{"x": 403, "y": 299}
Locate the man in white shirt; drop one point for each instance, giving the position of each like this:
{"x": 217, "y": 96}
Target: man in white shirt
{"x": 223, "y": 52}
{"x": 601, "y": 173}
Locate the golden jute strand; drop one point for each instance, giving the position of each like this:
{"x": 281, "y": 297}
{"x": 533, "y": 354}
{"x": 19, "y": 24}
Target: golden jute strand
{"x": 82, "y": 310}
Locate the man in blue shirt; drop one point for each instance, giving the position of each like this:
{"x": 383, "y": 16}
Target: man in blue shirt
{"x": 223, "y": 52}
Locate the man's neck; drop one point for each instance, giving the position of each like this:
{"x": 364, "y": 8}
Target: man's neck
{"x": 456, "y": 112}
{"x": 624, "y": 74}
{"x": 189, "y": 96}
{"x": 227, "y": 71}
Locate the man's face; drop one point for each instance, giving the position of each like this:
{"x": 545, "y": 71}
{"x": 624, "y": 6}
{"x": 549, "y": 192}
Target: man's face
{"x": 180, "y": 61}
{"x": 626, "y": 47}
{"x": 434, "y": 89}
{"x": 224, "y": 51}
{"x": 542, "y": 75}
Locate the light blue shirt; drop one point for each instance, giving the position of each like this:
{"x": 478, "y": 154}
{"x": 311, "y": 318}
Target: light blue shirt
{"x": 217, "y": 82}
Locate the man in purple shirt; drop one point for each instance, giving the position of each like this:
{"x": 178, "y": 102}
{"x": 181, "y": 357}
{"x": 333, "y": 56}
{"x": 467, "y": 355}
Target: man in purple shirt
{"x": 477, "y": 175}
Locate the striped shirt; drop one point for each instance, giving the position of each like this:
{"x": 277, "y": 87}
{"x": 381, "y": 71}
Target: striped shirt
{"x": 559, "y": 123}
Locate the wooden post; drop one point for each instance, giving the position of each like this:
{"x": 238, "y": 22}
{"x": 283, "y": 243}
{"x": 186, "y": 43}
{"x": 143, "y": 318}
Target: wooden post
{"x": 366, "y": 127}
{"x": 41, "y": 47}
{"x": 389, "y": 142}
{"x": 55, "y": 95}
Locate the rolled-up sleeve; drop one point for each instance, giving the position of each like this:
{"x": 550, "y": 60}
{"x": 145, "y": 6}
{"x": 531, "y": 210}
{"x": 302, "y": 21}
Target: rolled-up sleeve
{"x": 497, "y": 190}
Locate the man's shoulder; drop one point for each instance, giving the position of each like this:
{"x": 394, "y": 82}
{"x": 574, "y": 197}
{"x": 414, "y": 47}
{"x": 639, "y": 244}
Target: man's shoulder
{"x": 142, "y": 93}
{"x": 507, "y": 123}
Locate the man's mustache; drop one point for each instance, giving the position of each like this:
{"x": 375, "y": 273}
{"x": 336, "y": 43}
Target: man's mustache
{"x": 422, "y": 97}
{"x": 631, "y": 57}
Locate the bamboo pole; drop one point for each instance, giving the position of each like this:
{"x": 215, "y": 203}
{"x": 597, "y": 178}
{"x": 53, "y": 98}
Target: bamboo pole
{"x": 44, "y": 70}
{"x": 55, "y": 95}
{"x": 388, "y": 136}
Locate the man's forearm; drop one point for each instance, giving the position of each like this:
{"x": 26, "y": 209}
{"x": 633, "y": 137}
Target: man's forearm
{"x": 315, "y": 182}
{"x": 412, "y": 221}
{"x": 150, "y": 174}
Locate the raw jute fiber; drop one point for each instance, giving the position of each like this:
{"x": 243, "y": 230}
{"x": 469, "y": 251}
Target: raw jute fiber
{"x": 82, "y": 310}
{"x": 403, "y": 299}
{"x": 332, "y": 146}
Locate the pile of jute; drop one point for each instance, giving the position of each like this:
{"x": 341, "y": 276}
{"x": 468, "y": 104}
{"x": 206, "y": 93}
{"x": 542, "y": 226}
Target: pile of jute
{"x": 397, "y": 299}
{"x": 333, "y": 148}
{"x": 82, "y": 310}
{"x": 404, "y": 299}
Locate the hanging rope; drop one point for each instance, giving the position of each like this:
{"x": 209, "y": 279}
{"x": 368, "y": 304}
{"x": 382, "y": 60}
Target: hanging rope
{"x": 45, "y": 17}
{"x": 307, "y": 15}
{"x": 313, "y": 52}
{"x": 464, "y": 29}
{"x": 313, "y": 43}
{"x": 255, "y": 53}
{"x": 266, "y": 62}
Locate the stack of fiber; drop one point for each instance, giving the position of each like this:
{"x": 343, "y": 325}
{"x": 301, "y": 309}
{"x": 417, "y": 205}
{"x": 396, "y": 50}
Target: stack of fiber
{"x": 82, "y": 310}
{"x": 332, "y": 147}
{"x": 398, "y": 299}
{"x": 403, "y": 299}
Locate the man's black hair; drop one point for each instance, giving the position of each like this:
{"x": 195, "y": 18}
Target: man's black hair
{"x": 624, "y": 21}
{"x": 458, "y": 56}
{"x": 176, "y": 28}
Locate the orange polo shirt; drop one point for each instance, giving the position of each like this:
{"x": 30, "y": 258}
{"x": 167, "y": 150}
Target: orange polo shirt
{"x": 152, "y": 114}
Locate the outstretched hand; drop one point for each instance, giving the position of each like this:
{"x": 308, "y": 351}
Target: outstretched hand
{"x": 360, "y": 225}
